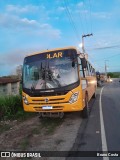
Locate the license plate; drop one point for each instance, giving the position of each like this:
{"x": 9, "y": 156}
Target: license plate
{"x": 47, "y": 107}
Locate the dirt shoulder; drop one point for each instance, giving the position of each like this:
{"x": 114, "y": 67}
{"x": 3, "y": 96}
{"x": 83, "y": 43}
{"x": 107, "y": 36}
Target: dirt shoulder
{"x": 34, "y": 134}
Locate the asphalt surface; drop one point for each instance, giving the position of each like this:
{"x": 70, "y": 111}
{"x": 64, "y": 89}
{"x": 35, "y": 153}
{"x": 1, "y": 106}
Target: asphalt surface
{"x": 89, "y": 136}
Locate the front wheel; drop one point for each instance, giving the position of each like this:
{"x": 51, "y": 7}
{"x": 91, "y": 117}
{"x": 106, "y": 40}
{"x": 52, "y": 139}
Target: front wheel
{"x": 86, "y": 109}
{"x": 94, "y": 95}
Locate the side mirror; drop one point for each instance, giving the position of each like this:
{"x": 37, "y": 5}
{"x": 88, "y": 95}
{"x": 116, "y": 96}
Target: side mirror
{"x": 84, "y": 63}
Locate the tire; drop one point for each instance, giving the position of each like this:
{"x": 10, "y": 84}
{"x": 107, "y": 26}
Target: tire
{"x": 94, "y": 95}
{"x": 86, "y": 109}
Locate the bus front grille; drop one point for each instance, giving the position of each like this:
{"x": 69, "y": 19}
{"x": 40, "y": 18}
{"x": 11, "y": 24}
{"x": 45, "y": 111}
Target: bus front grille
{"x": 49, "y": 101}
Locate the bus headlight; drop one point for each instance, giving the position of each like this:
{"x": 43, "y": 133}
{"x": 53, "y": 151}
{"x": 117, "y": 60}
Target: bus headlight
{"x": 74, "y": 97}
{"x": 25, "y": 100}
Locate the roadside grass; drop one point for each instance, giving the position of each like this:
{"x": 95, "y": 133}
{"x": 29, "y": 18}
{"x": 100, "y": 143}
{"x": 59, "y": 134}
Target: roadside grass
{"x": 21, "y": 115}
{"x": 11, "y": 108}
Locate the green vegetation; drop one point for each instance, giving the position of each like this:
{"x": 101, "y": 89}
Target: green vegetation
{"x": 11, "y": 108}
{"x": 114, "y": 74}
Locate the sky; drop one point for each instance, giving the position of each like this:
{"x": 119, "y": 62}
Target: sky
{"x": 29, "y": 26}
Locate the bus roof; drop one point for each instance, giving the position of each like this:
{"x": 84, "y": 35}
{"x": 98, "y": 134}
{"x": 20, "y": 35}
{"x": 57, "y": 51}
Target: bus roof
{"x": 55, "y": 49}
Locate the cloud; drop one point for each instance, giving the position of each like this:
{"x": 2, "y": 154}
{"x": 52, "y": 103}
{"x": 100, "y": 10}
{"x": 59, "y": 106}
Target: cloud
{"x": 9, "y": 61}
{"x": 12, "y": 58}
{"x": 26, "y": 21}
{"x": 10, "y": 21}
{"x": 20, "y": 9}
{"x": 84, "y": 11}
{"x": 39, "y": 10}
{"x": 102, "y": 15}
{"x": 61, "y": 8}
{"x": 16, "y": 23}
{"x": 47, "y": 30}
{"x": 80, "y": 4}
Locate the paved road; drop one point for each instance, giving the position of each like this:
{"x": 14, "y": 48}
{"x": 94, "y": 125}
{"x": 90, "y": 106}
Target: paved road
{"x": 101, "y": 132}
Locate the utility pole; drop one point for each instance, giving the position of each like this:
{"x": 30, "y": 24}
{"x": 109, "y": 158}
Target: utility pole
{"x": 106, "y": 69}
{"x": 85, "y": 35}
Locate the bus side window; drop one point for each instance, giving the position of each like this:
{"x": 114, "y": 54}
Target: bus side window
{"x": 86, "y": 71}
{"x": 81, "y": 72}
{"x": 88, "y": 65}
{"x": 91, "y": 70}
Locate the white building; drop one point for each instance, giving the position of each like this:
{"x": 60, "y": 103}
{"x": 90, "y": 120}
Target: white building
{"x": 9, "y": 86}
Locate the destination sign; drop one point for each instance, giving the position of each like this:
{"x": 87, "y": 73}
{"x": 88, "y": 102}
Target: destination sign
{"x": 55, "y": 55}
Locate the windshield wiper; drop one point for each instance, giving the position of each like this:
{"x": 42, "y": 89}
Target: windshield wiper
{"x": 33, "y": 87}
{"x": 47, "y": 74}
{"x": 51, "y": 78}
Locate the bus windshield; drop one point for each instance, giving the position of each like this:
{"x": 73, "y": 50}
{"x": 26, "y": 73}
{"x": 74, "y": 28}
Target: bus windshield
{"x": 50, "y": 70}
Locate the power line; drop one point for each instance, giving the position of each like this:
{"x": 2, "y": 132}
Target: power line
{"x": 90, "y": 13}
{"x": 114, "y": 66}
{"x": 80, "y": 17}
{"x": 85, "y": 15}
{"x": 106, "y": 47}
{"x": 94, "y": 61}
{"x": 101, "y": 67}
{"x": 71, "y": 19}
{"x": 108, "y": 57}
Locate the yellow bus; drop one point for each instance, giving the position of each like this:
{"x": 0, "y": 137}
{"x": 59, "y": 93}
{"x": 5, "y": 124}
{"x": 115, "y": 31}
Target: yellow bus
{"x": 58, "y": 81}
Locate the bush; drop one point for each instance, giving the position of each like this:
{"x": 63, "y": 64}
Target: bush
{"x": 114, "y": 74}
{"x": 9, "y": 106}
